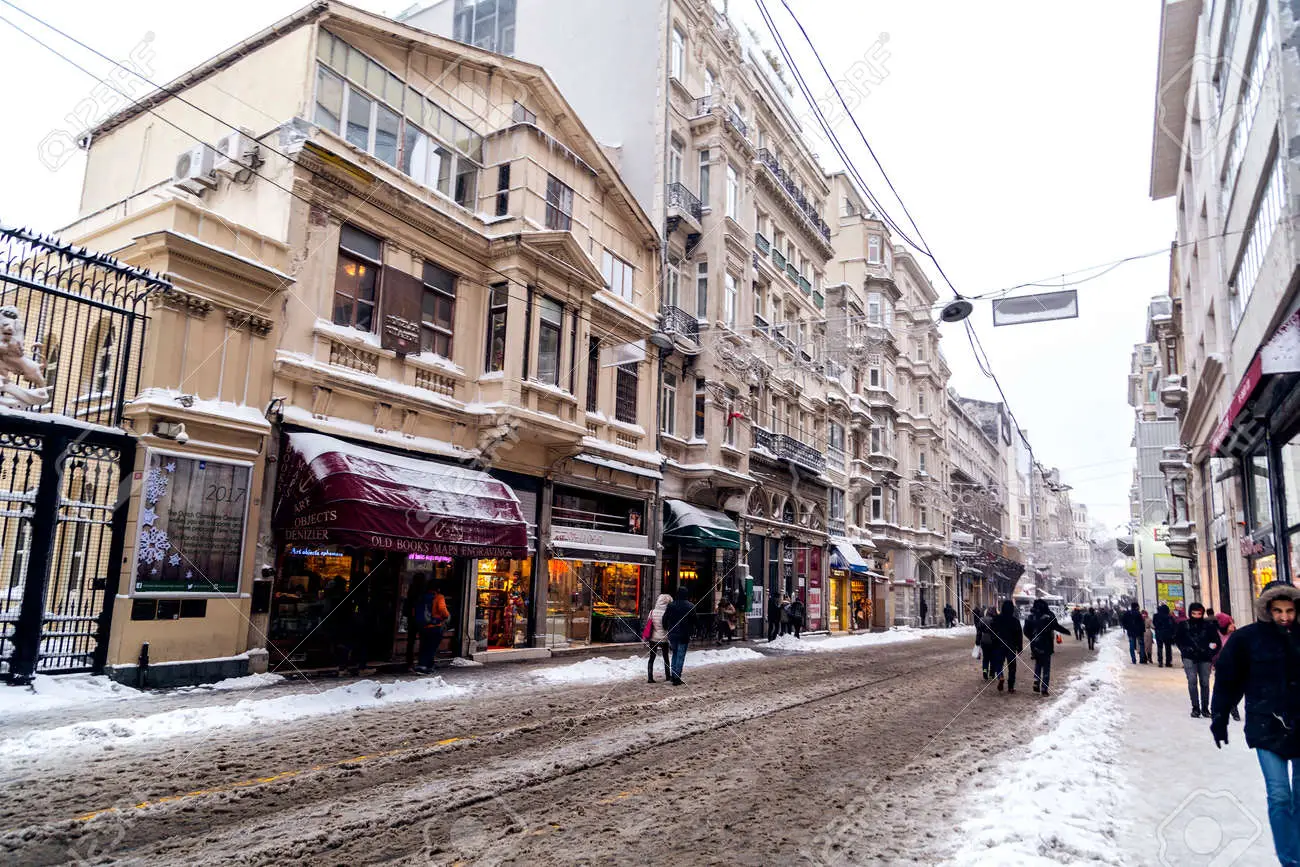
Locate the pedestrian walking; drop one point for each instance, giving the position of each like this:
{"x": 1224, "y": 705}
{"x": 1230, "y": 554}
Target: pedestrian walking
{"x": 773, "y": 616}
{"x": 981, "y": 632}
{"x": 410, "y": 606}
{"x": 1092, "y": 626}
{"x": 657, "y": 637}
{"x": 1134, "y": 628}
{"x": 726, "y": 621}
{"x": 1041, "y": 628}
{"x": 1076, "y": 617}
{"x": 1198, "y": 640}
{"x": 1226, "y": 628}
{"x": 1148, "y": 637}
{"x": 1164, "y": 627}
{"x": 432, "y": 620}
{"x": 796, "y": 616}
{"x": 1261, "y": 662}
{"x": 949, "y": 615}
{"x": 677, "y": 625}
{"x": 1009, "y": 640}
{"x": 925, "y": 609}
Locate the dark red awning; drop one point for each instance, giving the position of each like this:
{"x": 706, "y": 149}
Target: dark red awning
{"x": 331, "y": 491}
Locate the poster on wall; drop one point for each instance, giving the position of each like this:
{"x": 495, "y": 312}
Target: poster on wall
{"x": 1169, "y": 591}
{"x": 193, "y": 516}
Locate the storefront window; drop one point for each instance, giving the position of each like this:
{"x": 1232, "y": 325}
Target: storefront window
{"x": 1263, "y": 570}
{"x": 860, "y": 604}
{"x": 502, "y": 607}
{"x": 593, "y": 601}
{"x": 838, "y": 581}
{"x": 1291, "y": 497}
{"x": 1259, "y": 491}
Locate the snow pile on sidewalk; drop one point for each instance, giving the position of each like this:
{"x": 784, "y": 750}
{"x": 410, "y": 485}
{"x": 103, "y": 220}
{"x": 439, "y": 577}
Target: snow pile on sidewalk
{"x": 602, "y": 669}
{"x": 364, "y": 694}
{"x": 1057, "y": 800}
{"x": 46, "y": 693}
{"x": 249, "y": 681}
{"x": 843, "y": 642}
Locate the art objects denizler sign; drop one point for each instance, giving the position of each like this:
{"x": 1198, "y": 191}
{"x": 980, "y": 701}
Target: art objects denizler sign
{"x": 192, "y": 524}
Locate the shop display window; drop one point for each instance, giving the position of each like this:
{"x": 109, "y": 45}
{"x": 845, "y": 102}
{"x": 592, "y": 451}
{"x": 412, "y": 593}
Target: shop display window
{"x": 311, "y": 584}
{"x": 504, "y": 587}
{"x": 1257, "y": 484}
{"x": 591, "y": 601}
{"x": 1263, "y": 571}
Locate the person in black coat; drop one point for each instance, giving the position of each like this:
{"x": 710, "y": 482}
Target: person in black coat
{"x": 949, "y": 615}
{"x": 1041, "y": 628}
{"x": 677, "y": 624}
{"x": 1136, "y": 629}
{"x": 1262, "y": 663}
{"x": 773, "y": 615}
{"x": 1092, "y": 626}
{"x": 1008, "y": 640}
{"x": 796, "y": 616}
{"x": 1164, "y": 627}
{"x": 1076, "y": 617}
{"x": 981, "y": 631}
{"x": 1198, "y": 640}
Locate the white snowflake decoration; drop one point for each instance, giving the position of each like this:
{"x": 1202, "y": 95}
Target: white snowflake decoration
{"x": 155, "y": 488}
{"x": 148, "y": 517}
{"x": 174, "y": 560}
{"x": 171, "y": 466}
{"x": 154, "y": 545}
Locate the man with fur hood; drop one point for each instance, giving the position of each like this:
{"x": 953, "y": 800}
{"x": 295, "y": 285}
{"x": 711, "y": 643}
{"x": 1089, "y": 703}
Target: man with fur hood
{"x": 1262, "y": 663}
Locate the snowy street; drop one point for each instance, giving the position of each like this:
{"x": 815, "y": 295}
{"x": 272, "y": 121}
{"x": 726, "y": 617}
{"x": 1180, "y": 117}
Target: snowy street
{"x": 860, "y": 754}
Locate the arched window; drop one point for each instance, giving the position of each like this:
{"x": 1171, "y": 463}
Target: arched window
{"x": 787, "y": 512}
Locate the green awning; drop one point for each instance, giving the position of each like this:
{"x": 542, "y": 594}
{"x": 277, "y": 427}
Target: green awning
{"x": 693, "y": 525}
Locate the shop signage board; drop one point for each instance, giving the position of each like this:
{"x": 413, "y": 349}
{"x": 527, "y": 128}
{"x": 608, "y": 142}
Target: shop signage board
{"x": 1036, "y": 308}
{"x": 403, "y": 297}
{"x": 193, "y": 519}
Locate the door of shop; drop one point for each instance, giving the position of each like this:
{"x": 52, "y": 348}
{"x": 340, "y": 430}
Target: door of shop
{"x": 62, "y": 526}
{"x": 1225, "y": 589}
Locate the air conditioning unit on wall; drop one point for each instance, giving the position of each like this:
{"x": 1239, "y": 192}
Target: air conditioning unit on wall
{"x": 194, "y": 169}
{"x": 236, "y": 152}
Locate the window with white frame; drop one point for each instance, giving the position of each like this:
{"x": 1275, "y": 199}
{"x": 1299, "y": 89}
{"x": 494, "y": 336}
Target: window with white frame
{"x": 730, "y": 300}
{"x": 760, "y": 304}
{"x": 559, "y": 204}
{"x": 1263, "y": 221}
{"x": 873, "y": 377}
{"x": 437, "y": 310}
{"x": 618, "y": 275}
{"x": 732, "y": 420}
{"x": 873, "y": 250}
{"x": 672, "y": 283}
{"x": 549, "y": 325}
{"x": 668, "y": 419}
{"x": 837, "y": 504}
{"x": 677, "y": 55}
{"x": 487, "y": 24}
{"x": 922, "y": 517}
{"x": 710, "y": 81}
{"x": 877, "y": 504}
{"x": 701, "y": 396}
{"x": 874, "y": 307}
{"x": 702, "y": 290}
{"x": 733, "y": 192}
{"x": 921, "y": 461}
{"x": 704, "y": 177}
{"x": 1252, "y": 86}
{"x": 356, "y": 281}
{"x": 675, "y": 152}
{"x": 877, "y": 440}
{"x": 366, "y": 122}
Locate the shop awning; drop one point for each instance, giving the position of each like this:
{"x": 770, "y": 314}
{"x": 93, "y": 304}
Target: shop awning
{"x": 845, "y": 556}
{"x": 334, "y": 492}
{"x": 694, "y": 525}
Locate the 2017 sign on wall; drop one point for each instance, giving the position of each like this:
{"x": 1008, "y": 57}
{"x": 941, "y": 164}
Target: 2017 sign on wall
{"x": 192, "y": 523}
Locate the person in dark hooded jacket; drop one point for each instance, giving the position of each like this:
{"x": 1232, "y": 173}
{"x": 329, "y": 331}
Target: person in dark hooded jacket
{"x": 1007, "y": 642}
{"x": 677, "y": 624}
{"x": 1041, "y": 628}
{"x": 1198, "y": 640}
{"x": 1164, "y": 627}
{"x": 1262, "y": 663}
{"x": 1134, "y": 628}
{"x": 1092, "y": 624}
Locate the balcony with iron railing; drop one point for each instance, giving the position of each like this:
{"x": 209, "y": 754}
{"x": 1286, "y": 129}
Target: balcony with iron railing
{"x": 1173, "y": 392}
{"x": 737, "y": 122}
{"x": 819, "y": 300}
{"x": 681, "y": 326}
{"x": 791, "y": 271}
{"x": 787, "y": 448}
{"x": 684, "y": 206}
{"x": 778, "y": 258}
{"x": 805, "y": 285}
{"x": 586, "y": 520}
{"x": 764, "y": 246}
{"x": 797, "y": 199}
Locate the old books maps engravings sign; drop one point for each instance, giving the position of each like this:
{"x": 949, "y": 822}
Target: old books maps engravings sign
{"x": 192, "y": 524}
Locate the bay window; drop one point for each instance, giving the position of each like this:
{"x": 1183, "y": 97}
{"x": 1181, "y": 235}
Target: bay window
{"x": 356, "y": 279}
{"x": 733, "y": 192}
{"x": 701, "y": 393}
{"x": 730, "y": 300}
{"x": 873, "y": 250}
{"x": 498, "y": 299}
{"x": 559, "y": 204}
{"x": 668, "y": 405}
{"x": 877, "y": 504}
{"x": 618, "y": 275}
{"x": 487, "y": 24}
{"x": 549, "y": 322}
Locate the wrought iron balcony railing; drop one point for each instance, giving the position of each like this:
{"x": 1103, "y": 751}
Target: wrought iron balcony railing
{"x": 820, "y": 300}
{"x": 764, "y": 246}
{"x": 703, "y": 105}
{"x": 74, "y": 323}
{"x": 737, "y": 122}
{"x": 765, "y": 439}
{"x": 676, "y": 321}
{"x": 797, "y": 198}
{"x": 801, "y": 453}
{"x": 778, "y": 258}
{"x": 805, "y": 284}
{"x": 683, "y": 199}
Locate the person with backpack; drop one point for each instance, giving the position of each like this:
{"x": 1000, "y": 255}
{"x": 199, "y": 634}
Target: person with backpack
{"x": 431, "y": 618}
{"x": 1134, "y": 629}
{"x": 657, "y": 637}
{"x": 1041, "y": 628}
{"x": 677, "y": 625}
{"x": 1261, "y": 663}
{"x": 1198, "y": 641}
{"x": 1008, "y": 641}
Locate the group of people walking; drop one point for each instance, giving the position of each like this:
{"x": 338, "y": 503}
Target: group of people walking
{"x": 1000, "y": 637}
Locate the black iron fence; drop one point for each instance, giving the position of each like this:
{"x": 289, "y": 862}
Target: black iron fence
{"x": 797, "y": 198}
{"x": 71, "y": 328}
{"x": 71, "y": 338}
{"x": 675, "y": 320}
{"x": 679, "y": 196}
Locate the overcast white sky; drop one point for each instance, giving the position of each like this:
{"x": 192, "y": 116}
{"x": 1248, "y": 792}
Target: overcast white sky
{"x": 1018, "y": 133}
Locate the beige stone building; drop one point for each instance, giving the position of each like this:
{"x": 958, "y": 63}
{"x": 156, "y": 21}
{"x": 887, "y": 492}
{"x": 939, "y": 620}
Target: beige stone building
{"x": 412, "y": 297}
